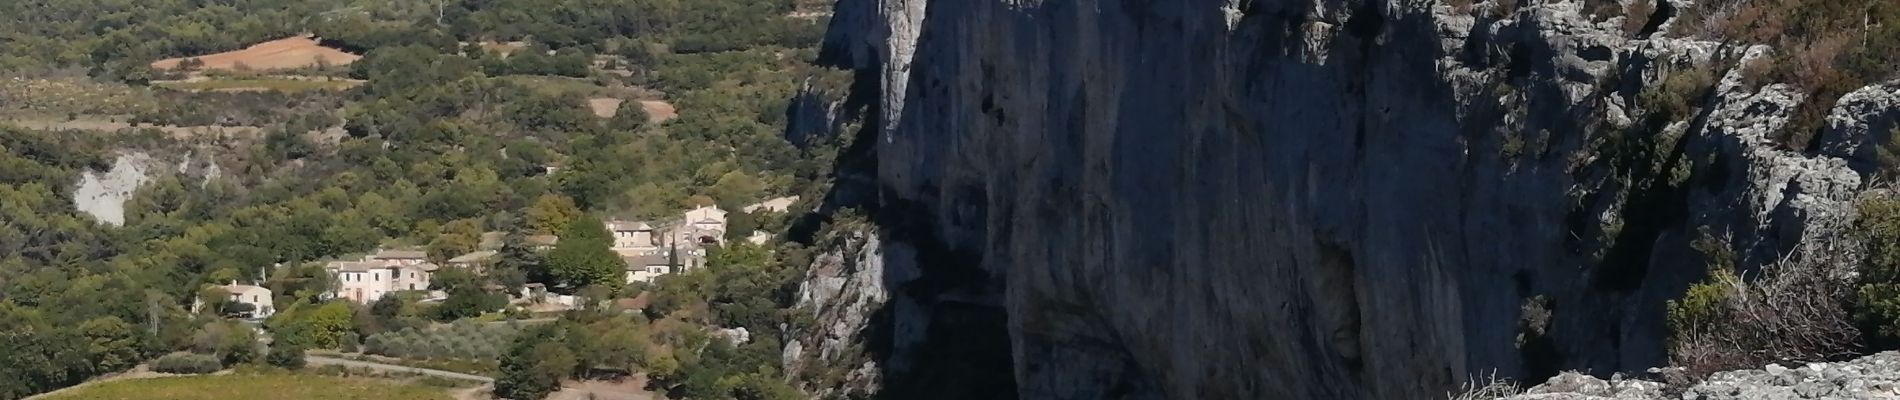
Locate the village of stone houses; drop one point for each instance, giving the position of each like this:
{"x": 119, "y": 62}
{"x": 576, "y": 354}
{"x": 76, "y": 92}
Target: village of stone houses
{"x": 647, "y": 249}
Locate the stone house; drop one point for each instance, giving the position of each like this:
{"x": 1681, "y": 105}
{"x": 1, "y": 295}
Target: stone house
{"x": 759, "y": 238}
{"x": 778, "y": 205}
{"x": 543, "y": 242}
{"x": 258, "y": 297}
{"x": 477, "y": 261}
{"x": 380, "y": 274}
{"x": 399, "y": 257}
{"x": 708, "y": 218}
{"x": 633, "y": 238}
{"x": 646, "y": 268}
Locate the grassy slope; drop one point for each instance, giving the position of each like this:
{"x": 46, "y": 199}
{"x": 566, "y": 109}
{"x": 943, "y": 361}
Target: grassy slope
{"x": 253, "y": 386}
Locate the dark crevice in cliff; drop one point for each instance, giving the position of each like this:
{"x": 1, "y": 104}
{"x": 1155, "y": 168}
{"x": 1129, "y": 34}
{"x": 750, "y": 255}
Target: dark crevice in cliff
{"x": 1338, "y": 302}
{"x": 944, "y": 269}
{"x": 1657, "y": 201}
{"x": 965, "y": 351}
{"x": 1538, "y": 351}
{"x": 1665, "y": 10}
{"x": 937, "y": 337}
{"x": 965, "y": 355}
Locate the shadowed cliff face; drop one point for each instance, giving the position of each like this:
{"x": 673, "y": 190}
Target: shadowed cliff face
{"x": 1315, "y": 199}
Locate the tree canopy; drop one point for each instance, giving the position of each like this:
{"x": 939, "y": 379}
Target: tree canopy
{"x": 585, "y": 257}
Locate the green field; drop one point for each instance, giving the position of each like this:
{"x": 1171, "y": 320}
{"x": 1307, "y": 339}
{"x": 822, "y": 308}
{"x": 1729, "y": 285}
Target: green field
{"x": 560, "y": 85}
{"x": 282, "y": 85}
{"x": 269, "y": 385}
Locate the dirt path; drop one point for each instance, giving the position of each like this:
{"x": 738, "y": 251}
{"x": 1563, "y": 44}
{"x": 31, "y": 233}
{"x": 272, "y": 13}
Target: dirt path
{"x": 139, "y": 372}
{"x": 483, "y": 392}
{"x": 321, "y": 360}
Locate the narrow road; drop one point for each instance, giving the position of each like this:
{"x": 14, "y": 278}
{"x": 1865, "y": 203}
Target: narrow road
{"x": 321, "y": 360}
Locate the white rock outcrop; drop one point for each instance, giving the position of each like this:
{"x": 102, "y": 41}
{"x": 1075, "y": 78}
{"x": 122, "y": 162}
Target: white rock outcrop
{"x": 103, "y": 194}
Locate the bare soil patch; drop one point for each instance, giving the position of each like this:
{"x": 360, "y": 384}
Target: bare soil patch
{"x": 287, "y": 53}
{"x": 503, "y": 48}
{"x": 630, "y": 388}
{"x": 605, "y": 107}
{"x": 659, "y": 110}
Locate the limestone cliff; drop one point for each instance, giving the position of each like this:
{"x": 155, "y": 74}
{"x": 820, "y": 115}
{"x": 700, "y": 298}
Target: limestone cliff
{"x": 1313, "y": 199}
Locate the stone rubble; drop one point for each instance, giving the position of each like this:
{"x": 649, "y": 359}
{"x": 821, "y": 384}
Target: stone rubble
{"x": 1872, "y": 377}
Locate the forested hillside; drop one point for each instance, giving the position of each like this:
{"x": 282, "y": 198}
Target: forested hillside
{"x": 525, "y": 117}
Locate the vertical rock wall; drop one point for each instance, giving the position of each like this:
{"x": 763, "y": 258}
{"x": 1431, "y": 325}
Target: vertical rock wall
{"x": 1316, "y": 198}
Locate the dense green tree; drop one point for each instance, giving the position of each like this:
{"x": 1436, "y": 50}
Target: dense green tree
{"x": 740, "y": 224}
{"x": 468, "y": 302}
{"x": 629, "y": 117}
{"x": 619, "y": 343}
{"x": 535, "y": 363}
{"x": 458, "y": 237}
{"x": 319, "y": 326}
{"x": 757, "y": 386}
{"x": 239, "y": 347}
{"x": 551, "y": 214}
{"x": 451, "y": 279}
{"x": 112, "y": 344}
{"x": 589, "y": 183}
{"x": 585, "y": 257}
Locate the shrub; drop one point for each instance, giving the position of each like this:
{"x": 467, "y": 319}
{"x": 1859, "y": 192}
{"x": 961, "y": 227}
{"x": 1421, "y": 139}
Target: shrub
{"x": 1704, "y": 304}
{"x": 350, "y": 344}
{"x": 1826, "y": 48}
{"x": 1678, "y": 95}
{"x": 186, "y": 363}
{"x": 1485, "y": 388}
{"x": 239, "y": 347}
{"x": 287, "y": 356}
{"x": 1888, "y": 155}
{"x": 1794, "y": 312}
{"x": 1877, "y": 300}
{"x": 1533, "y": 319}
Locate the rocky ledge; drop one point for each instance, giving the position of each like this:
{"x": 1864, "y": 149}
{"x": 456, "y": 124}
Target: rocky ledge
{"x": 1872, "y": 377}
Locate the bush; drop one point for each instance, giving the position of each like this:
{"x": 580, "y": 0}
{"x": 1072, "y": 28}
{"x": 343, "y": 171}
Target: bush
{"x": 239, "y": 347}
{"x": 1824, "y": 48}
{"x": 1794, "y": 312}
{"x": 186, "y": 363}
{"x": 1877, "y": 300}
{"x": 286, "y": 356}
{"x": 1679, "y": 94}
{"x": 1485, "y": 387}
{"x": 350, "y": 344}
